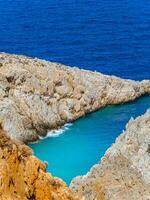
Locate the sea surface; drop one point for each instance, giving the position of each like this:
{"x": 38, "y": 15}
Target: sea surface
{"x": 109, "y": 36}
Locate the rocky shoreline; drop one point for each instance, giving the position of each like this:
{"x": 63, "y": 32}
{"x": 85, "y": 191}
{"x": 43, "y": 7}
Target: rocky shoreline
{"x": 124, "y": 171}
{"x": 37, "y": 96}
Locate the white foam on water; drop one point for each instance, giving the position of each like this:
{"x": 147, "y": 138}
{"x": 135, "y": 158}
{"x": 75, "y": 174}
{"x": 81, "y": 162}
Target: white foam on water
{"x": 56, "y": 133}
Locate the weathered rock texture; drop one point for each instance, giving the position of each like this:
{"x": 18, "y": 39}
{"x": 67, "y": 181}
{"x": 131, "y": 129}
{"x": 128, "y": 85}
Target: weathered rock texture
{"x": 23, "y": 176}
{"x": 36, "y": 95}
{"x": 124, "y": 171}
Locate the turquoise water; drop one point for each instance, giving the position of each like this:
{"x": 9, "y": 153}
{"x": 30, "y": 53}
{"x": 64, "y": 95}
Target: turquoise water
{"x": 86, "y": 140}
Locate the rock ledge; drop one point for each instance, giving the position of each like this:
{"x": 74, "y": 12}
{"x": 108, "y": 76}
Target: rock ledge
{"x": 37, "y": 96}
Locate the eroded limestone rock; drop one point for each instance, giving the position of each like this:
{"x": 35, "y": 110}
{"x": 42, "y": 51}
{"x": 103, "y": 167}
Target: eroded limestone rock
{"x": 124, "y": 171}
{"x": 37, "y": 96}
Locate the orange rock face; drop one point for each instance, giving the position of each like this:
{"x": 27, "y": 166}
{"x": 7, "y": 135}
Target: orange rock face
{"x": 23, "y": 176}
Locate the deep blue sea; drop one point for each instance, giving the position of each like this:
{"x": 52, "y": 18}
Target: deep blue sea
{"x": 110, "y": 36}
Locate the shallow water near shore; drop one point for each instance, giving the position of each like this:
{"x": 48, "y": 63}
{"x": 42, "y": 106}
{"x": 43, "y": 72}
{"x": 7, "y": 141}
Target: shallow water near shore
{"x": 83, "y": 143}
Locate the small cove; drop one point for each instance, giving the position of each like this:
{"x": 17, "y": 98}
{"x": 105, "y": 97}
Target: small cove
{"x": 83, "y": 143}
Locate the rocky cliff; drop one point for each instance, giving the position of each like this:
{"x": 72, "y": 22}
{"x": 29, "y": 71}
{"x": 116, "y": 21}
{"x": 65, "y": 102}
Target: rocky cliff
{"x": 23, "y": 176}
{"x": 37, "y": 96}
{"x": 124, "y": 171}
